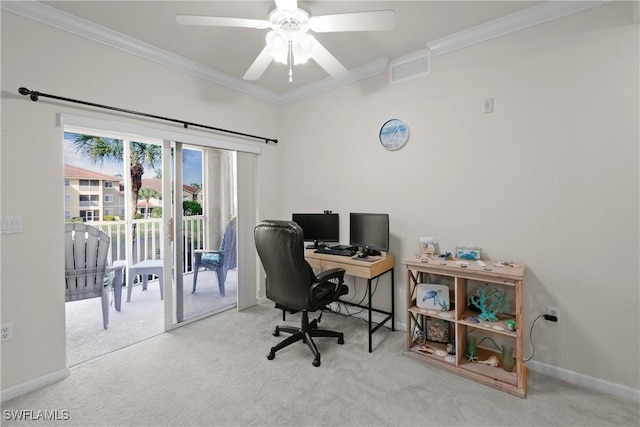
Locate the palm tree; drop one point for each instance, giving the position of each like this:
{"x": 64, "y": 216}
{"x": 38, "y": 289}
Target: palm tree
{"x": 99, "y": 149}
{"x": 147, "y": 194}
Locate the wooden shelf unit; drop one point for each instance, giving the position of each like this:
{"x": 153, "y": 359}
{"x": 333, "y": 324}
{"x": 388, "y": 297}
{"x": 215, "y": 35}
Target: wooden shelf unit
{"x": 458, "y": 277}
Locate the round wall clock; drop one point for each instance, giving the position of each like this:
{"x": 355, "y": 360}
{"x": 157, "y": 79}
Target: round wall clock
{"x": 394, "y": 134}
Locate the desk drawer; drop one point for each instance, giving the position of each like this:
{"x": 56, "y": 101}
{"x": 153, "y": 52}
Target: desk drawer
{"x": 357, "y": 268}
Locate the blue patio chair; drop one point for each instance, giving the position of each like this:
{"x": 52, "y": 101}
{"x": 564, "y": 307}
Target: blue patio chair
{"x": 221, "y": 260}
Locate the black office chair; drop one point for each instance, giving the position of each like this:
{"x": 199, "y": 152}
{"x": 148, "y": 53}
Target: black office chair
{"x": 292, "y": 285}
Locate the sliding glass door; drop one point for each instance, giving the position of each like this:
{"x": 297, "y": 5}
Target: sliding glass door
{"x": 205, "y": 267}
{"x": 195, "y": 205}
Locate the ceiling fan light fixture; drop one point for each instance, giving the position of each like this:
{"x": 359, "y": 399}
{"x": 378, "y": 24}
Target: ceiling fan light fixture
{"x": 277, "y": 46}
{"x": 303, "y": 48}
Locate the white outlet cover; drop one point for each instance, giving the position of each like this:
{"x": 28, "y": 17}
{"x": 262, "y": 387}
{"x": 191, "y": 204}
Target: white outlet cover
{"x": 6, "y": 332}
{"x": 487, "y": 105}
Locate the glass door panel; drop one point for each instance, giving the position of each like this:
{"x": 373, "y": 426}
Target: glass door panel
{"x": 205, "y": 260}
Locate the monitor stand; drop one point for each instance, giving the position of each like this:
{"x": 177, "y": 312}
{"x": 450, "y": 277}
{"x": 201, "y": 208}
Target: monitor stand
{"x": 316, "y": 245}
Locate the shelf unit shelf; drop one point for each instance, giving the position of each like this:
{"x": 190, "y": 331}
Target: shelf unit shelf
{"x": 460, "y": 324}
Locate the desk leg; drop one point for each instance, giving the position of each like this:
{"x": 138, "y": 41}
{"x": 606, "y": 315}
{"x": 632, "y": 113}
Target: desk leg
{"x": 369, "y": 305}
{"x": 393, "y": 303}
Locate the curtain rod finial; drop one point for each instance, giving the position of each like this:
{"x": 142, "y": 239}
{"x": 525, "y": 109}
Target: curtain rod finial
{"x": 25, "y": 91}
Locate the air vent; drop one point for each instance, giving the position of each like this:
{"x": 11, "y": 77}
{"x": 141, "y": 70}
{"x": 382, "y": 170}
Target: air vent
{"x": 410, "y": 66}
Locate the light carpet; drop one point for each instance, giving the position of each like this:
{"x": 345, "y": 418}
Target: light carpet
{"x": 215, "y": 372}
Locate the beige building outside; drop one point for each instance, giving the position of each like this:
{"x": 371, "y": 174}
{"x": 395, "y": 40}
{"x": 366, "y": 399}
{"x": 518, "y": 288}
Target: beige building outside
{"x": 92, "y": 196}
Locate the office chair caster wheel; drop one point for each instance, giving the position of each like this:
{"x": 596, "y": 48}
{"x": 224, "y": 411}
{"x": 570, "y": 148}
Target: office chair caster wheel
{"x": 316, "y": 361}
{"x": 271, "y": 355}
{"x": 341, "y": 340}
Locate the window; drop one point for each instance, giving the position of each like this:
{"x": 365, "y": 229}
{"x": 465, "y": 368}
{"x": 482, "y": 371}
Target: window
{"x": 89, "y": 185}
{"x": 108, "y": 211}
{"x": 108, "y": 184}
{"x": 66, "y": 182}
{"x": 108, "y": 198}
{"x": 67, "y": 199}
{"x": 88, "y": 199}
{"x": 67, "y": 215}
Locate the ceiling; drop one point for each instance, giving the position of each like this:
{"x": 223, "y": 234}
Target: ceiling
{"x": 230, "y": 51}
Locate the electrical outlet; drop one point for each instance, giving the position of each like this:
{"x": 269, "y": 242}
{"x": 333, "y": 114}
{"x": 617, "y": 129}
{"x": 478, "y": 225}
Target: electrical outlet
{"x": 553, "y": 311}
{"x": 6, "y": 332}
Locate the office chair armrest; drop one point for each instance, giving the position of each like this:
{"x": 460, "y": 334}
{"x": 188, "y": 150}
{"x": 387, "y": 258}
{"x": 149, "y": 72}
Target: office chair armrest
{"x": 327, "y": 287}
{"x": 330, "y": 274}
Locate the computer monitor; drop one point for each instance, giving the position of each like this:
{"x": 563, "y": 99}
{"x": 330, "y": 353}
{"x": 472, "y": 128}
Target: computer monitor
{"x": 318, "y": 228}
{"x": 369, "y": 231}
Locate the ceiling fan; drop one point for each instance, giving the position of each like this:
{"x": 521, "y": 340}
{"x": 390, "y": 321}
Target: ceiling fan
{"x": 289, "y": 43}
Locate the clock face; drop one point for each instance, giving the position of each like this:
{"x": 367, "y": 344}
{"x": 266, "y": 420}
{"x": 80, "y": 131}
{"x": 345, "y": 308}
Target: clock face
{"x": 394, "y": 134}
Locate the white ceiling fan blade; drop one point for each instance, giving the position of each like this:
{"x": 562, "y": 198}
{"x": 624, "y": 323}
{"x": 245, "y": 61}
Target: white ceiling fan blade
{"x": 288, "y": 5}
{"x": 327, "y": 61}
{"x": 380, "y": 20}
{"x": 221, "y": 21}
{"x": 259, "y": 65}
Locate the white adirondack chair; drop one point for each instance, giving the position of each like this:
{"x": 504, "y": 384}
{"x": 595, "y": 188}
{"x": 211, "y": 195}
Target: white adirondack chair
{"x": 86, "y": 251}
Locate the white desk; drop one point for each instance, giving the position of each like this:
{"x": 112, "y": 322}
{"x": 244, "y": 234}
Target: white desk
{"x": 145, "y": 268}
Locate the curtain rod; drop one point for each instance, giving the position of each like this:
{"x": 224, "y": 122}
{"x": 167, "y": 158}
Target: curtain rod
{"x": 34, "y": 95}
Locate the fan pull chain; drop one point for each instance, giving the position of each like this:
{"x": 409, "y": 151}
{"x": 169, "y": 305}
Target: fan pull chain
{"x": 290, "y": 61}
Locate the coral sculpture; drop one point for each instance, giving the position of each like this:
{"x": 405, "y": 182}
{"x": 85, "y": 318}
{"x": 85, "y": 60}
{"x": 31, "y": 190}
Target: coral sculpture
{"x": 490, "y": 303}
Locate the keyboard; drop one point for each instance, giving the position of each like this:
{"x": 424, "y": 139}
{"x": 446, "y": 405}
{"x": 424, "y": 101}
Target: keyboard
{"x": 342, "y": 247}
{"x": 332, "y": 251}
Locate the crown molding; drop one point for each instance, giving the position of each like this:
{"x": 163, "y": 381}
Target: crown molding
{"x": 67, "y": 22}
{"x": 526, "y": 18}
{"x": 89, "y": 30}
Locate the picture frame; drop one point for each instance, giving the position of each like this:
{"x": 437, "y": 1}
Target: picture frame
{"x": 433, "y": 296}
{"x": 437, "y": 330}
{"x": 463, "y": 252}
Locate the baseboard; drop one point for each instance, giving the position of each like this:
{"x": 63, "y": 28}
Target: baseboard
{"x": 34, "y": 384}
{"x": 585, "y": 381}
{"x": 565, "y": 375}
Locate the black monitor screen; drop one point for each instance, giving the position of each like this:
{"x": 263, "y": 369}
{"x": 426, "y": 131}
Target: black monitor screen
{"x": 369, "y": 231}
{"x": 318, "y": 228}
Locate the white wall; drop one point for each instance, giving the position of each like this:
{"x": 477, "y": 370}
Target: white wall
{"x": 52, "y": 61}
{"x": 550, "y": 179}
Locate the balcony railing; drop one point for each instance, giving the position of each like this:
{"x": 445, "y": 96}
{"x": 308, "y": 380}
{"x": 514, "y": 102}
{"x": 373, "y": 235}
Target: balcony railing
{"x": 147, "y": 243}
